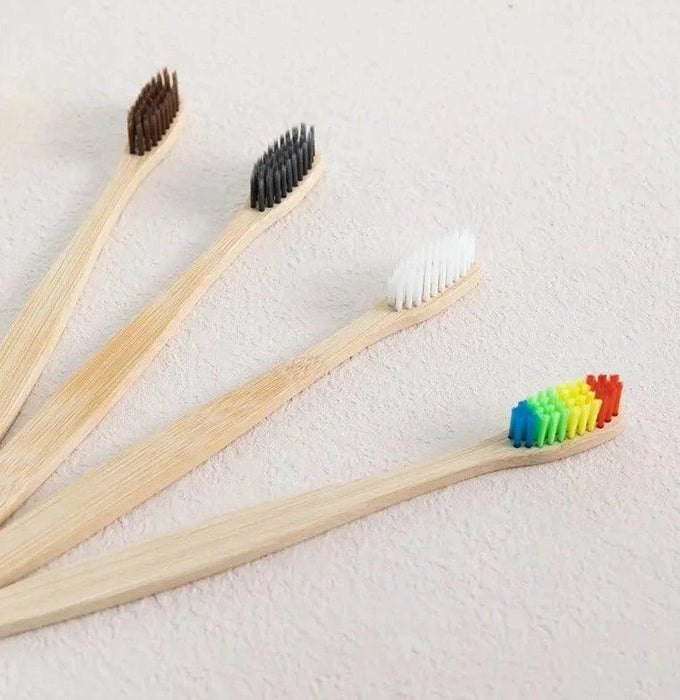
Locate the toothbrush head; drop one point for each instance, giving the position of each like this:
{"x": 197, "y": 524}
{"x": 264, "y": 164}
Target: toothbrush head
{"x": 431, "y": 271}
{"x": 282, "y": 167}
{"x": 566, "y": 411}
{"x": 153, "y": 113}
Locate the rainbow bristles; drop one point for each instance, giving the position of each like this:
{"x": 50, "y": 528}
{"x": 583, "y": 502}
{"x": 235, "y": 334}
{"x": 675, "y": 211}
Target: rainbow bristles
{"x": 567, "y": 410}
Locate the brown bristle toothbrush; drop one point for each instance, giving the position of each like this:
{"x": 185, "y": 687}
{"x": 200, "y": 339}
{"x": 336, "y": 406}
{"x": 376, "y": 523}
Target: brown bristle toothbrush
{"x": 153, "y": 127}
{"x": 422, "y": 286}
{"x": 280, "y": 179}
{"x": 554, "y": 424}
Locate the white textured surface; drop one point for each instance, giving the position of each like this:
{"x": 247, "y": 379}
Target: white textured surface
{"x": 550, "y": 128}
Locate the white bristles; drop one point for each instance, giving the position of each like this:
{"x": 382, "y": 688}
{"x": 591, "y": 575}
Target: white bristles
{"x": 431, "y": 270}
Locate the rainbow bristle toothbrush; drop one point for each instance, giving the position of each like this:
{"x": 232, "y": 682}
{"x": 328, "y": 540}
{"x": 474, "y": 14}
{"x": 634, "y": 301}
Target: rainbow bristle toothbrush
{"x": 567, "y": 410}
{"x": 223, "y": 543}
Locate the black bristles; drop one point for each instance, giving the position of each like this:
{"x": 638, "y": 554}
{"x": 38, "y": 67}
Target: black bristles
{"x": 277, "y": 186}
{"x": 153, "y": 112}
{"x": 253, "y": 188}
{"x": 305, "y": 157}
{"x": 281, "y": 167}
{"x": 301, "y": 163}
{"x": 294, "y": 168}
{"x": 289, "y": 175}
{"x": 260, "y": 190}
{"x": 269, "y": 186}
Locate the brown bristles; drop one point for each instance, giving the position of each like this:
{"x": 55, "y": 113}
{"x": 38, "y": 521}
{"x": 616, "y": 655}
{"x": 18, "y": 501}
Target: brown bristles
{"x": 153, "y": 112}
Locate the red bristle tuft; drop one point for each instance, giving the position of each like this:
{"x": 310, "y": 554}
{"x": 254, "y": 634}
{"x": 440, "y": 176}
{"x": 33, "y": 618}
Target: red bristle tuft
{"x": 608, "y": 406}
{"x": 608, "y": 390}
{"x": 618, "y": 388}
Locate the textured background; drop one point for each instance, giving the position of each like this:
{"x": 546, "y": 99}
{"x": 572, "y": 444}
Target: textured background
{"x": 551, "y": 130}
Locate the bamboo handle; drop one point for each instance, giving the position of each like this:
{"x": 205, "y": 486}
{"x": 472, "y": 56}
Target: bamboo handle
{"x": 30, "y": 341}
{"x": 96, "y": 499}
{"x": 69, "y": 415}
{"x": 223, "y": 543}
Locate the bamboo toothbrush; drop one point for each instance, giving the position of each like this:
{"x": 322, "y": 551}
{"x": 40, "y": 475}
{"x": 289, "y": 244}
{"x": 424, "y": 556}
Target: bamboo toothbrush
{"x": 557, "y": 423}
{"x": 153, "y": 127}
{"x": 281, "y": 178}
{"x": 420, "y": 287}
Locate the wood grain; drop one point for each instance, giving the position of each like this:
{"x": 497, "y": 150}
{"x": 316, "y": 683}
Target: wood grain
{"x": 243, "y": 536}
{"x": 96, "y": 499}
{"x": 30, "y": 341}
{"x": 72, "y": 412}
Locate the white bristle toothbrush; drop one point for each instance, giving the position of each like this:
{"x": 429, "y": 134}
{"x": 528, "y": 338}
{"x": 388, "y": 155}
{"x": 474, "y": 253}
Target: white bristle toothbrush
{"x": 421, "y": 287}
{"x": 554, "y": 424}
{"x": 153, "y": 126}
{"x": 280, "y": 180}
